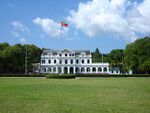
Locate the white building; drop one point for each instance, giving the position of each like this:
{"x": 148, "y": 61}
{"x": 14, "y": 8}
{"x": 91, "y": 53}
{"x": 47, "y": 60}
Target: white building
{"x": 70, "y": 62}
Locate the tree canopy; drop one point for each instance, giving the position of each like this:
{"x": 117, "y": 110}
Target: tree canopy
{"x": 137, "y": 56}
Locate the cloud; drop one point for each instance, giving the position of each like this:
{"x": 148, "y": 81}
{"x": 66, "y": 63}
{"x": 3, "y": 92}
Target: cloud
{"x": 19, "y": 26}
{"x": 119, "y": 18}
{"x": 23, "y": 40}
{"x": 50, "y": 27}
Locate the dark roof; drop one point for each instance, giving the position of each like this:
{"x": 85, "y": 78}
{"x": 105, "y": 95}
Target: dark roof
{"x": 115, "y": 69}
{"x": 60, "y": 51}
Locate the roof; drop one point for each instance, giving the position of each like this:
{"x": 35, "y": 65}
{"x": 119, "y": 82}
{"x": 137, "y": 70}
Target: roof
{"x": 115, "y": 69}
{"x": 66, "y": 50}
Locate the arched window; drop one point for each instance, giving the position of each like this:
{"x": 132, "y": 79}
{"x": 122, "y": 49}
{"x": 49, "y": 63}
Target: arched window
{"x": 77, "y": 70}
{"x": 54, "y": 61}
{"x": 88, "y": 69}
{"x": 105, "y": 69}
{"x": 44, "y": 69}
{"x": 77, "y": 61}
{"x": 49, "y": 69}
{"x": 82, "y": 69}
{"x": 88, "y": 61}
{"x": 94, "y": 69}
{"x": 82, "y": 61}
{"x": 99, "y": 69}
{"x": 49, "y": 61}
{"x": 66, "y": 61}
{"x": 54, "y": 69}
{"x": 71, "y": 61}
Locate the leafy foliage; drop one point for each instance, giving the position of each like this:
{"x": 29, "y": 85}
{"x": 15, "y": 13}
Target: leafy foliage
{"x": 12, "y": 58}
{"x": 137, "y": 56}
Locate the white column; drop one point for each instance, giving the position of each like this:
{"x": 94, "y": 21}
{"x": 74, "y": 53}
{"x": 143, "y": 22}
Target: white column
{"x": 62, "y": 70}
{"x": 56, "y": 69}
{"x": 91, "y": 70}
{"x": 68, "y": 70}
{"x": 74, "y": 70}
{"x": 85, "y": 70}
{"x": 96, "y": 69}
{"x": 107, "y": 69}
{"x": 52, "y": 70}
{"x": 102, "y": 69}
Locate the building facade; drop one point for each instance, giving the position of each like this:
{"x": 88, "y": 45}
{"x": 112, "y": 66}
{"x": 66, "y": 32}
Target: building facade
{"x": 71, "y": 62}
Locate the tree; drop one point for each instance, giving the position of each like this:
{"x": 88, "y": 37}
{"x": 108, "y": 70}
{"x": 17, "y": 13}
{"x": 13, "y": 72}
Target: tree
{"x": 116, "y": 58}
{"x": 96, "y": 56}
{"x": 137, "y": 56}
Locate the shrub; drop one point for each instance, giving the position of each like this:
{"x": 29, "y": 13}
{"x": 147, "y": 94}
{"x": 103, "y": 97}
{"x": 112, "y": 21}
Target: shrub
{"x": 49, "y": 76}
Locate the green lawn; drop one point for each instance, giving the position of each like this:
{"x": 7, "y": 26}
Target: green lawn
{"x": 84, "y": 95}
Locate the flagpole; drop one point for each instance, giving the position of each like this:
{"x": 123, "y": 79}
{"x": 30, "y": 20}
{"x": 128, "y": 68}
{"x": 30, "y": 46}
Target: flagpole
{"x": 102, "y": 58}
{"x": 26, "y": 61}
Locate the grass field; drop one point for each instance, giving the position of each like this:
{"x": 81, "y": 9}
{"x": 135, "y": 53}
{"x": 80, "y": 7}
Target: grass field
{"x": 84, "y": 95}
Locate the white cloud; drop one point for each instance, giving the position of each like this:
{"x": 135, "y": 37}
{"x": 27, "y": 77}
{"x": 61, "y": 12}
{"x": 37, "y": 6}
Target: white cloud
{"x": 23, "y": 40}
{"x": 121, "y": 18}
{"x": 19, "y": 26}
{"x": 50, "y": 27}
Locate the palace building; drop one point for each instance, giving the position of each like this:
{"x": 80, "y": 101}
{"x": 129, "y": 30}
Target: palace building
{"x": 71, "y": 62}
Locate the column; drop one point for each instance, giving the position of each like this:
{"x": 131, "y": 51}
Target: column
{"x": 107, "y": 69}
{"x": 52, "y": 70}
{"x": 74, "y": 70}
{"x": 68, "y": 70}
{"x": 56, "y": 69}
{"x": 102, "y": 70}
{"x": 62, "y": 70}
{"x": 91, "y": 70}
{"x": 96, "y": 69}
{"x": 85, "y": 70}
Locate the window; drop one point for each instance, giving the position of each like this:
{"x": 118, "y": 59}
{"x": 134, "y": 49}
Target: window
{"x": 59, "y": 54}
{"x": 88, "y": 69}
{"x": 99, "y": 69}
{"x": 88, "y": 61}
{"x": 105, "y": 69}
{"x": 71, "y": 61}
{"x": 77, "y": 61}
{"x": 54, "y": 69}
{"x": 82, "y": 69}
{"x": 72, "y": 54}
{"x": 49, "y": 61}
{"x": 54, "y": 61}
{"x": 44, "y": 53}
{"x": 43, "y": 61}
{"x": 65, "y": 54}
{"x": 66, "y": 61}
{"x": 49, "y": 70}
{"x": 82, "y": 61}
{"x": 94, "y": 69}
{"x": 69, "y": 54}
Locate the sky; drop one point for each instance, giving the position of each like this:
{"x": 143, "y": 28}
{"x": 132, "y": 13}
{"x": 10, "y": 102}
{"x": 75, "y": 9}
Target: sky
{"x": 103, "y": 24}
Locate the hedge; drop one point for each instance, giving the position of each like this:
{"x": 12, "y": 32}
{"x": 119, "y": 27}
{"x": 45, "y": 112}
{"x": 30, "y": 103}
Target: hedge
{"x": 48, "y": 76}
{"x": 21, "y": 75}
{"x": 68, "y": 76}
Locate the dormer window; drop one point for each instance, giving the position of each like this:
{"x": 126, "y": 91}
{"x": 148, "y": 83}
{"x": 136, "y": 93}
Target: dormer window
{"x": 44, "y": 53}
{"x": 43, "y": 61}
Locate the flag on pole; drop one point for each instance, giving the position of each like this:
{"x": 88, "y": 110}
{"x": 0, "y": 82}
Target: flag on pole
{"x": 64, "y": 24}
